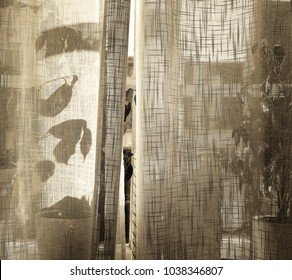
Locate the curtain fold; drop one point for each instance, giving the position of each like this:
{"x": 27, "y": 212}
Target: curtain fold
{"x": 169, "y": 222}
{"x": 185, "y": 51}
{"x": 111, "y": 108}
{"x": 208, "y": 153}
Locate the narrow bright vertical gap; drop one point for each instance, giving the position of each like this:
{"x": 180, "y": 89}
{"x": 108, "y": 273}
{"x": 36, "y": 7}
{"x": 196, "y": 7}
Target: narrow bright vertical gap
{"x": 131, "y": 31}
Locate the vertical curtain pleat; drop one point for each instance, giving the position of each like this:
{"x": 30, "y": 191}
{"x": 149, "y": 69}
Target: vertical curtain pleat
{"x": 185, "y": 53}
{"x": 110, "y": 126}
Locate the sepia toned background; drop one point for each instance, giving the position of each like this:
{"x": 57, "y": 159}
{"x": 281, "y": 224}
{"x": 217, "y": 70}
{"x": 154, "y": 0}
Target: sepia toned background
{"x": 145, "y": 129}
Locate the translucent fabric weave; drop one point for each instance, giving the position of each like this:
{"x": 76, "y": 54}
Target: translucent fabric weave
{"x": 180, "y": 151}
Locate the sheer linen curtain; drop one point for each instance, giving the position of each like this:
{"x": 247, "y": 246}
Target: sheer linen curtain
{"x": 63, "y": 73}
{"x": 189, "y": 62}
{"x": 211, "y": 151}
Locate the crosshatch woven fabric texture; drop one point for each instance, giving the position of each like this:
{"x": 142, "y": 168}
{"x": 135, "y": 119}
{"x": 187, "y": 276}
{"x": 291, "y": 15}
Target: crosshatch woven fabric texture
{"x": 209, "y": 129}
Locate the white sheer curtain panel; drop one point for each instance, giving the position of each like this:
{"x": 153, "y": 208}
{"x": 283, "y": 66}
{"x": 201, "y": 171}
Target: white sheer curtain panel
{"x": 178, "y": 149}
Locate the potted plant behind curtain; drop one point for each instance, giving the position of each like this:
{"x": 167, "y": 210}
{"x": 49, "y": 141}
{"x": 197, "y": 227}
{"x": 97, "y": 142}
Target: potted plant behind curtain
{"x": 266, "y": 161}
{"x": 64, "y": 229}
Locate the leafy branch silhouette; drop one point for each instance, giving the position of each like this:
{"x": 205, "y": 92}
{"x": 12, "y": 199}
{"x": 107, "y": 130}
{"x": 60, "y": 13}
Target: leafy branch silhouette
{"x": 70, "y": 133}
{"x": 58, "y": 100}
{"x": 57, "y": 41}
{"x": 64, "y": 39}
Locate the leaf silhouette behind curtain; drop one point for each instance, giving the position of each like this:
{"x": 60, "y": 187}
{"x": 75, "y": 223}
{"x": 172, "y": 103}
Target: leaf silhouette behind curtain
{"x": 40, "y": 42}
{"x": 64, "y": 39}
{"x": 73, "y": 40}
{"x": 55, "y": 41}
{"x": 86, "y": 142}
{"x": 58, "y": 100}
{"x": 69, "y": 131}
{"x": 45, "y": 169}
{"x": 63, "y": 151}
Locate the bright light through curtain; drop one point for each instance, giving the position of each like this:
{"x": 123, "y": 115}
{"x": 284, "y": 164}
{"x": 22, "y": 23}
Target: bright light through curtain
{"x": 209, "y": 153}
{"x": 63, "y": 73}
